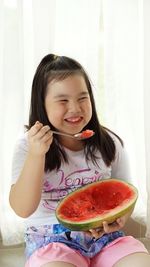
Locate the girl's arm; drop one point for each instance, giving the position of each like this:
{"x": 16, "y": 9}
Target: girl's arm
{"x": 25, "y": 194}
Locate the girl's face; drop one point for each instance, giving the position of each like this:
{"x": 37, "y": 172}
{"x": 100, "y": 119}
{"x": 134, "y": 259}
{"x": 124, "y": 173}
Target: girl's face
{"x": 68, "y": 104}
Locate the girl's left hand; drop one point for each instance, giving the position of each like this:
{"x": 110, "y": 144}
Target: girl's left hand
{"x": 109, "y": 228}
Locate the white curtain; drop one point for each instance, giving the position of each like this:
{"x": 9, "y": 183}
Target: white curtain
{"x": 30, "y": 29}
{"x": 127, "y": 84}
{"x": 146, "y": 86}
{"x": 110, "y": 38}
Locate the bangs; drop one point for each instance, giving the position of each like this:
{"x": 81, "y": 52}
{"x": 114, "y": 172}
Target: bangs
{"x": 59, "y": 75}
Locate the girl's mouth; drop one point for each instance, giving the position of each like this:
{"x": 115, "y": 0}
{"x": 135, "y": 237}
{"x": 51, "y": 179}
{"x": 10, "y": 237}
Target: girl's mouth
{"x": 74, "y": 119}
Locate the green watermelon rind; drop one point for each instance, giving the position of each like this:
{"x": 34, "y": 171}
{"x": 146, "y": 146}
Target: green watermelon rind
{"x": 98, "y": 221}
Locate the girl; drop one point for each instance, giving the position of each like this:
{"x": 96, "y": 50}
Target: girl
{"x": 46, "y": 167}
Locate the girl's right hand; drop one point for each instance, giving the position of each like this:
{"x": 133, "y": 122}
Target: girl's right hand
{"x": 40, "y": 139}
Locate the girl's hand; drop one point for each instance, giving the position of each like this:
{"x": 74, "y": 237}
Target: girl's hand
{"x": 40, "y": 139}
{"x": 109, "y": 228}
{"x": 106, "y": 228}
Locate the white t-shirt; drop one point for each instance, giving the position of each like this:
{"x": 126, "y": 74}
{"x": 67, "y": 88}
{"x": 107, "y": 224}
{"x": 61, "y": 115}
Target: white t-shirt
{"x": 58, "y": 183}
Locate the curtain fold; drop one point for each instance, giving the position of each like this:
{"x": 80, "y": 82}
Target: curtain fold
{"x": 146, "y": 82}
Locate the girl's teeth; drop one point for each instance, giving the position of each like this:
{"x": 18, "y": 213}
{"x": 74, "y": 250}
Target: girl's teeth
{"x": 73, "y": 119}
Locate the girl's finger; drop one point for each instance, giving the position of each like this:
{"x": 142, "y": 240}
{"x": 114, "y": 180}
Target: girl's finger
{"x": 108, "y": 228}
{"x": 120, "y": 222}
{"x": 43, "y": 131}
{"x": 97, "y": 233}
{"x": 35, "y": 128}
{"x": 47, "y": 137}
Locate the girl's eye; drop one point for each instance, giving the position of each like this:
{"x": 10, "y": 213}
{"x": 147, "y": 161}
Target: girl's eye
{"x": 63, "y": 100}
{"x": 83, "y": 98}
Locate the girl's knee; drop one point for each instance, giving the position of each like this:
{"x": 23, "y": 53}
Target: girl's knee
{"x": 135, "y": 259}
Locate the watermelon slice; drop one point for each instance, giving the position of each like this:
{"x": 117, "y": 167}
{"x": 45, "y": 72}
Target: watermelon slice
{"x": 85, "y": 134}
{"x": 89, "y": 206}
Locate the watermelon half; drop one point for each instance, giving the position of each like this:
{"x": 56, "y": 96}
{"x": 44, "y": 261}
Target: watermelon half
{"x": 87, "y": 207}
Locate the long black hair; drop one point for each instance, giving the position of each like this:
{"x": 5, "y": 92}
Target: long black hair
{"x": 57, "y": 68}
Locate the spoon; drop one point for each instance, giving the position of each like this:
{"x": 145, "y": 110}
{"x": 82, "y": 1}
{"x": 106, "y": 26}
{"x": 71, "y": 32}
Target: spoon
{"x": 79, "y": 136}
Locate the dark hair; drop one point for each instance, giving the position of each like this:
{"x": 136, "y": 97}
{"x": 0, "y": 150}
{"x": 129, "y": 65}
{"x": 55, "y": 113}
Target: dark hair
{"x": 54, "y": 67}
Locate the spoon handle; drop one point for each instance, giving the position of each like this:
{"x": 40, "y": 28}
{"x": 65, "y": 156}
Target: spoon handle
{"x": 64, "y": 134}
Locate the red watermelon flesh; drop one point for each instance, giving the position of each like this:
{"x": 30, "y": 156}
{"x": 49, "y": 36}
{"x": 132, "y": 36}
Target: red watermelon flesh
{"x": 90, "y": 205}
{"x": 87, "y": 133}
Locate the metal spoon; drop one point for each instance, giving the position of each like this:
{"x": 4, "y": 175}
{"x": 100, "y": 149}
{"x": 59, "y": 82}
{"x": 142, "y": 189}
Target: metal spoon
{"x": 79, "y": 136}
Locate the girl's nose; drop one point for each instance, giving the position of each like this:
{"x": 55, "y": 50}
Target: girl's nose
{"x": 74, "y": 107}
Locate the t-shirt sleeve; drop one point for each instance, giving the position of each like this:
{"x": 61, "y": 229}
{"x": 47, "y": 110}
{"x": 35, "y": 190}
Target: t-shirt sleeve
{"x": 19, "y": 157}
{"x": 120, "y": 166}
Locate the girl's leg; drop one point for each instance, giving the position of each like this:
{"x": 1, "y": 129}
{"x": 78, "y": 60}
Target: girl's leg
{"x": 58, "y": 264}
{"x": 122, "y": 252}
{"x": 57, "y": 255}
{"x": 136, "y": 259}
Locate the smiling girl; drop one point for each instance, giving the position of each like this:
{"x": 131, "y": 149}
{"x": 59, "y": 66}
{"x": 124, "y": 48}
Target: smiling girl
{"x": 46, "y": 167}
